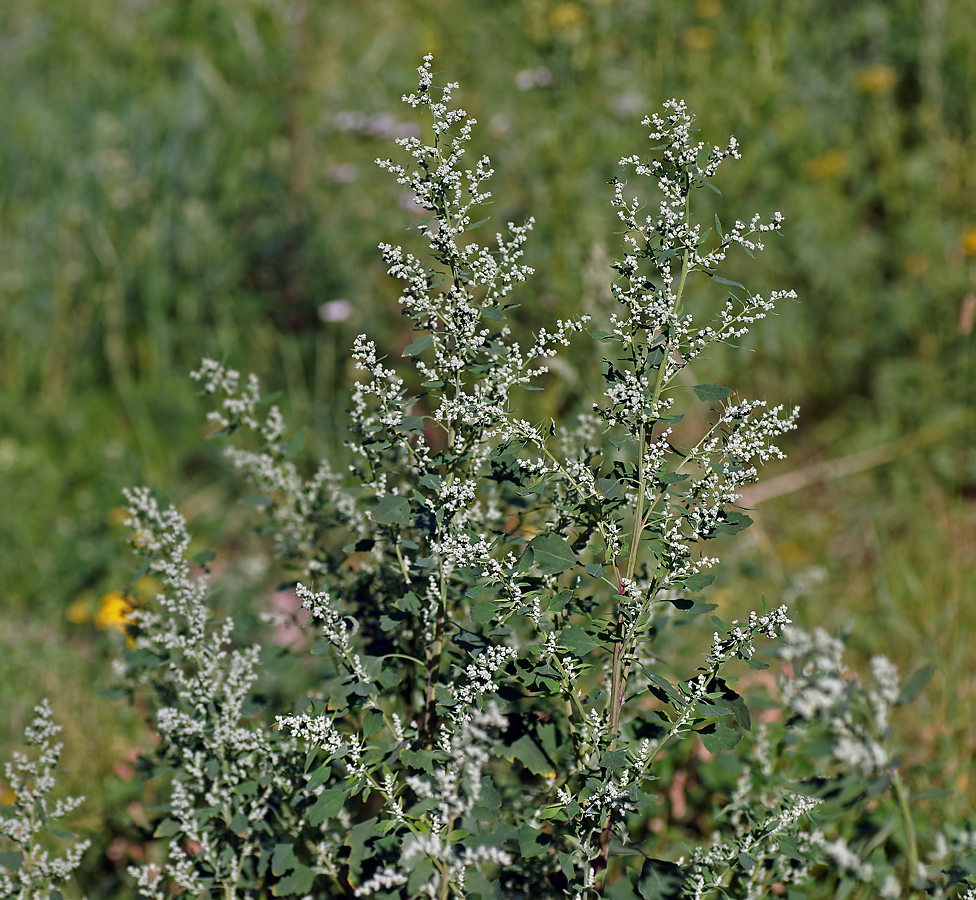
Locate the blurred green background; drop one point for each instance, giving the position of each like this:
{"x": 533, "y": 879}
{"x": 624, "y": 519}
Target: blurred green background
{"x": 195, "y": 177}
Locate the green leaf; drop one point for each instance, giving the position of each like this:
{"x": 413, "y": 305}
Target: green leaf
{"x": 167, "y": 828}
{"x": 552, "y": 554}
{"x": 533, "y": 843}
{"x": 610, "y": 488}
{"x": 372, "y": 722}
{"x": 296, "y": 443}
{"x": 420, "y": 875}
{"x": 717, "y": 737}
{"x": 418, "y": 345}
{"x": 757, "y": 664}
{"x": 720, "y": 624}
{"x": 12, "y": 860}
{"x": 356, "y": 841}
{"x": 493, "y": 313}
{"x": 257, "y": 500}
{"x": 660, "y": 880}
{"x": 327, "y": 805}
{"x": 613, "y": 759}
{"x": 733, "y": 522}
{"x": 392, "y": 510}
{"x": 599, "y": 335}
{"x": 708, "y": 392}
{"x": 726, "y": 281}
{"x": 298, "y": 882}
{"x": 239, "y": 823}
{"x": 698, "y": 582}
{"x": 483, "y": 611}
{"x": 528, "y": 753}
{"x": 576, "y": 639}
{"x": 204, "y": 557}
{"x": 915, "y": 685}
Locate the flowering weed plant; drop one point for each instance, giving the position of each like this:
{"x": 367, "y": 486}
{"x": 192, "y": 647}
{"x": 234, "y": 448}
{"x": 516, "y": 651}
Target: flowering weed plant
{"x": 491, "y": 597}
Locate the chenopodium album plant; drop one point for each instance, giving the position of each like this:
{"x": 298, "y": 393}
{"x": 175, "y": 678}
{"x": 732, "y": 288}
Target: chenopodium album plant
{"x": 492, "y": 712}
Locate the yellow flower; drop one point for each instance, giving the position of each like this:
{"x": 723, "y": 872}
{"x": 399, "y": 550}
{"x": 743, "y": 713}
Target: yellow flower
{"x": 114, "y": 611}
{"x": 876, "y": 79}
{"x": 8, "y": 798}
{"x": 698, "y": 37}
{"x": 827, "y": 164}
{"x": 968, "y": 241}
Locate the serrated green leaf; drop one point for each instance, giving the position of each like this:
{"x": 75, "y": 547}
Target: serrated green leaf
{"x": 327, "y": 805}
{"x": 483, "y": 611}
{"x": 574, "y": 638}
{"x": 708, "y": 392}
{"x": 392, "y": 510}
{"x": 698, "y": 582}
{"x": 552, "y": 554}
{"x": 526, "y": 751}
{"x": 299, "y": 882}
{"x": 532, "y": 842}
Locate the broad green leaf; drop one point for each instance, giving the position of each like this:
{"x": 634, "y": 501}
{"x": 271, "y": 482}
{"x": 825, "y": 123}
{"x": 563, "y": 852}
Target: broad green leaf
{"x": 327, "y": 805}
{"x": 708, "y": 392}
{"x": 483, "y": 611}
{"x": 418, "y": 345}
{"x": 576, "y": 639}
{"x": 533, "y": 843}
{"x": 12, "y": 860}
{"x": 733, "y": 522}
{"x": 528, "y": 753}
{"x": 660, "y": 880}
{"x": 239, "y": 823}
{"x": 698, "y": 582}
{"x": 283, "y": 858}
{"x": 493, "y": 313}
{"x": 392, "y": 510}
{"x": 552, "y": 554}
{"x": 717, "y": 737}
{"x": 372, "y": 722}
{"x": 299, "y": 882}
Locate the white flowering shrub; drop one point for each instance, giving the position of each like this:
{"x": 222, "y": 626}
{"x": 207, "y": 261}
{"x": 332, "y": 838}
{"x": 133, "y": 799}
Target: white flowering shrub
{"x": 31, "y": 866}
{"x": 492, "y": 597}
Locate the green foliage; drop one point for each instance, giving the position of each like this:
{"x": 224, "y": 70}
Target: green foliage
{"x": 493, "y": 711}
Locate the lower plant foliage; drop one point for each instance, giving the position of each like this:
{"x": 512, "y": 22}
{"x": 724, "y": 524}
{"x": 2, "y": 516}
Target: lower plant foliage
{"x": 498, "y": 714}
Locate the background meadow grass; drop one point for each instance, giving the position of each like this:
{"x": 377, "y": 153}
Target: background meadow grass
{"x": 195, "y": 178}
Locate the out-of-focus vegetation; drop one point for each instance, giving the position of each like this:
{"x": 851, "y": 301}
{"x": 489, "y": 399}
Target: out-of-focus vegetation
{"x": 195, "y": 177}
